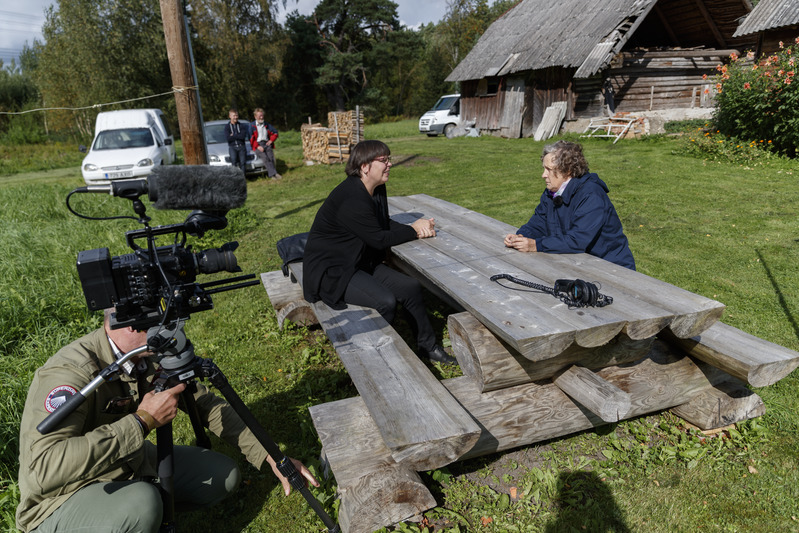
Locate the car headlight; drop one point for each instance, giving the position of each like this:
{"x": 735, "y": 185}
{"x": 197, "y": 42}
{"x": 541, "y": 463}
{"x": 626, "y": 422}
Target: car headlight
{"x": 214, "y": 159}
{"x": 90, "y": 167}
{"x": 146, "y": 162}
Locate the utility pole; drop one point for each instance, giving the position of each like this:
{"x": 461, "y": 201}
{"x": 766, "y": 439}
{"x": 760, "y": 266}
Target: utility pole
{"x": 188, "y": 99}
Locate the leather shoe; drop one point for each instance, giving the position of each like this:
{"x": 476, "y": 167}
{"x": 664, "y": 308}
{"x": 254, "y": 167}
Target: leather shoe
{"x": 438, "y": 355}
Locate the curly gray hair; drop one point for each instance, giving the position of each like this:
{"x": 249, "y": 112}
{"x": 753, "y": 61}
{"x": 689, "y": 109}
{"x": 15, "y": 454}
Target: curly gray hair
{"x": 567, "y": 157}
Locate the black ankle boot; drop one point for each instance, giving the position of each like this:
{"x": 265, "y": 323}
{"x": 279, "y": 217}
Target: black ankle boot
{"x": 438, "y": 355}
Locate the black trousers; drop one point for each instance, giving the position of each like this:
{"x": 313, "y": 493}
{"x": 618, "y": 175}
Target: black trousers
{"x": 383, "y": 290}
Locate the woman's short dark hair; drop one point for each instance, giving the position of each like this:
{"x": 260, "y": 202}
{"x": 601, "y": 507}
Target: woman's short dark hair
{"x": 364, "y": 153}
{"x": 567, "y": 157}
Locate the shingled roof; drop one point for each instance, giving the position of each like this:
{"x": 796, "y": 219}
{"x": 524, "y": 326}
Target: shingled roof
{"x": 536, "y": 34}
{"x": 770, "y": 15}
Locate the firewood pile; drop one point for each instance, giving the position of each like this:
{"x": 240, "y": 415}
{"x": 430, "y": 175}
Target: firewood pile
{"x": 332, "y": 144}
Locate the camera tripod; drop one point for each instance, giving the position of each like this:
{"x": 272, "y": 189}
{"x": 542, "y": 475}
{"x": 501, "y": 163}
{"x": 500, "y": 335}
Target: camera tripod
{"x": 179, "y": 364}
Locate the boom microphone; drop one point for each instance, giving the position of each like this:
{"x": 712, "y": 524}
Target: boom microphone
{"x": 205, "y": 187}
{"x": 195, "y": 187}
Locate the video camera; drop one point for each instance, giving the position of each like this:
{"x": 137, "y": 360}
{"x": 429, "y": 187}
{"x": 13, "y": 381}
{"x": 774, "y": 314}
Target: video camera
{"x": 156, "y": 285}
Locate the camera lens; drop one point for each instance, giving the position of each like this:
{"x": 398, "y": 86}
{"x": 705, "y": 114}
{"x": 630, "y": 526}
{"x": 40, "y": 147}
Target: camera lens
{"x": 210, "y": 261}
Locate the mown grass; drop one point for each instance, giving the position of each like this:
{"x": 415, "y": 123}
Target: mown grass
{"x": 724, "y": 230}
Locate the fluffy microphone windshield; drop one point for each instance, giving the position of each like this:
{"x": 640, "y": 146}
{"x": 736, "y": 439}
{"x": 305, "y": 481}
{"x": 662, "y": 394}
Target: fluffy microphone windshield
{"x": 205, "y": 187}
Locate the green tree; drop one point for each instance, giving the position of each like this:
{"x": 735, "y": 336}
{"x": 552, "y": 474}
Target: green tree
{"x": 395, "y": 66}
{"x": 349, "y": 30}
{"x": 16, "y": 88}
{"x": 239, "y": 50}
{"x": 17, "y": 93}
{"x": 99, "y": 51}
{"x": 436, "y": 64}
{"x": 300, "y": 96}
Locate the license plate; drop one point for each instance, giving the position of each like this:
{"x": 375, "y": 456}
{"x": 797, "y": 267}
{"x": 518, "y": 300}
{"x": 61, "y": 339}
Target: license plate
{"x": 117, "y": 175}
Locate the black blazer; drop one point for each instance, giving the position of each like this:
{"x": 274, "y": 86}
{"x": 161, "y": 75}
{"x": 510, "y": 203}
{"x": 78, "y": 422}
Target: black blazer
{"x": 351, "y": 231}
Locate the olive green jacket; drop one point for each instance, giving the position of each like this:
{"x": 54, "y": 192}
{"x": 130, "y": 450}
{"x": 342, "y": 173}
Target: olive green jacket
{"x": 101, "y": 440}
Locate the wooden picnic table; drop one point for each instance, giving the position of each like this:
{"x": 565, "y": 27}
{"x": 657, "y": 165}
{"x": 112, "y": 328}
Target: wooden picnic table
{"x": 468, "y": 249}
{"x": 534, "y": 369}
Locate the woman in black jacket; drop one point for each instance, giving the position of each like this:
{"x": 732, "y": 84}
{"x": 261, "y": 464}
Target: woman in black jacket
{"x": 343, "y": 259}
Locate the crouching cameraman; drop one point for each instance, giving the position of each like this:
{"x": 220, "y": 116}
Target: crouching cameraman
{"x": 93, "y": 471}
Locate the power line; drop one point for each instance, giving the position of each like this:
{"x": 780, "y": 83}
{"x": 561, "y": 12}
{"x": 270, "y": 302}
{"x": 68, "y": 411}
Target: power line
{"x": 20, "y": 31}
{"x": 32, "y": 18}
{"x": 95, "y": 106}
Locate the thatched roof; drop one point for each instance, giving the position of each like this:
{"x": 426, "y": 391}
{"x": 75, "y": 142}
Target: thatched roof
{"x": 542, "y": 33}
{"x": 770, "y": 15}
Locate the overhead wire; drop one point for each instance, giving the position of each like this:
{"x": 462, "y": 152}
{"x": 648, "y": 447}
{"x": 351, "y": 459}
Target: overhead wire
{"x": 96, "y": 106}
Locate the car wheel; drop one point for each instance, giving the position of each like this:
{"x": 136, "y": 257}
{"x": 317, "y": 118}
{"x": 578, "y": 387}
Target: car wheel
{"x": 448, "y": 129}
{"x": 432, "y": 134}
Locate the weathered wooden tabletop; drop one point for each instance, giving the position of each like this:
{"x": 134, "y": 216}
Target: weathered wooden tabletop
{"x": 468, "y": 249}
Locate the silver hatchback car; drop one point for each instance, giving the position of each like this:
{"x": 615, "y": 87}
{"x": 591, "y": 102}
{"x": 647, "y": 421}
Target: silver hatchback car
{"x": 216, "y": 144}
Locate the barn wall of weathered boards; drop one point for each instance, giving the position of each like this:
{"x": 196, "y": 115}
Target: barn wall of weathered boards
{"x": 638, "y": 54}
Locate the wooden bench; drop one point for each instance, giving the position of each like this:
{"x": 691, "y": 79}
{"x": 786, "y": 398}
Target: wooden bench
{"x": 286, "y": 297}
{"x": 419, "y": 421}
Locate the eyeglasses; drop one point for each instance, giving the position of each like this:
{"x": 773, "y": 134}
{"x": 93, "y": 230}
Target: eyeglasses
{"x": 386, "y": 159}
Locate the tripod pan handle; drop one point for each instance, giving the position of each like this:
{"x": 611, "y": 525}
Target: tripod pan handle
{"x": 56, "y": 417}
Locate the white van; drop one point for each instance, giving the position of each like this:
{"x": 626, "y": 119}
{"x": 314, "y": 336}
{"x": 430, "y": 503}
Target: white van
{"x": 443, "y": 118}
{"x": 127, "y": 144}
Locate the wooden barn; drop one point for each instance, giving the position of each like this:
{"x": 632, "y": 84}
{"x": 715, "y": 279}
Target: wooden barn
{"x": 771, "y": 21}
{"x": 639, "y": 54}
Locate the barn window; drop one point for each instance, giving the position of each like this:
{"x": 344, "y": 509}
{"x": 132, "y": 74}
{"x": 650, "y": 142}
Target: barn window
{"x": 488, "y": 87}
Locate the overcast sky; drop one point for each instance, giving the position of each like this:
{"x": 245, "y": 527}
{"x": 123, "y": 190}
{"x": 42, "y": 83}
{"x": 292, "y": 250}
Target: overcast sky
{"x": 21, "y": 20}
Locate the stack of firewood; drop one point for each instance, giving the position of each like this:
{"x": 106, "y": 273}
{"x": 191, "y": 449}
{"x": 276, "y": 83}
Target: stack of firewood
{"x": 332, "y": 144}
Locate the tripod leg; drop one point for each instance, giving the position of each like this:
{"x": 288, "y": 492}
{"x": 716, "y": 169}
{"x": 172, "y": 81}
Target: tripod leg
{"x": 194, "y": 415}
{"x": 166, "y": 475}
{"x": 284, "y": 464}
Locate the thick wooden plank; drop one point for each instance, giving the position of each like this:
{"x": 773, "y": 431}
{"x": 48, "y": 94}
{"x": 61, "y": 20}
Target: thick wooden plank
{"x": 535, "y": 412}
{"x": 604, "y": 399}
{"x": 375, "y": 490}
{"x": 755, "y": 361}
{"x": 550, "y": 124}
{"x": 589, "y": 326}
{"x": 531, "y": 413}
{"x": 287, "y": 299}
{"x": 722, "y": 405}
{"x": 493, "y": 365}
{"x": 691, "y": 312}
{"x": 537, "y": 333}
{"x": 420, "y": 422}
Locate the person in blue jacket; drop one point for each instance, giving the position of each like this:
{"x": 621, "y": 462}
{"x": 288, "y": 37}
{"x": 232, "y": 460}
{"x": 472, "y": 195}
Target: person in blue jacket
{"x": 575, "y": 214}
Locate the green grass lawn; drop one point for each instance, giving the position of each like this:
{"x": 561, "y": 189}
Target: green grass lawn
{"x": 725, "y": 230}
